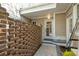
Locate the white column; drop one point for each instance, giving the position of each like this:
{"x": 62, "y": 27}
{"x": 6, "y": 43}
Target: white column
{"x": 53, "y": 24}
{"x": 74, "y": 15}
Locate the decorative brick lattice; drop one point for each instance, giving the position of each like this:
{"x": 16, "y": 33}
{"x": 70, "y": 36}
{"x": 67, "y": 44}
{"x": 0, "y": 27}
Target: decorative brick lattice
{"x": 19, "y": 38}
{"x": 3, "y": 37}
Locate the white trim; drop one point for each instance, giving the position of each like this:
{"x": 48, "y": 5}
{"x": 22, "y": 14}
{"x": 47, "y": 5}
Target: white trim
{"x": 60, "y": 12}
{"x": 54, "y": 24}
{"x": 43, "y": 7}
{"x": 35, "y": 6}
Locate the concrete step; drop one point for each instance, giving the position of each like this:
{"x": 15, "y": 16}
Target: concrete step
{"x": 50, "y": 42}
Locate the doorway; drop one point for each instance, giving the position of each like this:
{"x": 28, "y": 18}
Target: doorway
{"x": 49, "y": 29}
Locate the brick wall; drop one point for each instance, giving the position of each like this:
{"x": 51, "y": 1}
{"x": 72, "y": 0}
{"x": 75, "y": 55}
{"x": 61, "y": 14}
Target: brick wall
{"x": 19, "y": 38}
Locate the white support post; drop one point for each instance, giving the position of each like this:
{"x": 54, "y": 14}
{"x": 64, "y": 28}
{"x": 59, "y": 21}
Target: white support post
{"x": 74, "y": 15}
{"x": 53, "y": 28}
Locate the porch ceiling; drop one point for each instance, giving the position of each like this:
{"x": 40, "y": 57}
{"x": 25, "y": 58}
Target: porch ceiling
{"x": 44, "y": 10}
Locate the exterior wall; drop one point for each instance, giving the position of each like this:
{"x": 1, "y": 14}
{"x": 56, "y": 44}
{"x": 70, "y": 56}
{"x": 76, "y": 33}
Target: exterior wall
{"x": 60, "y": 24}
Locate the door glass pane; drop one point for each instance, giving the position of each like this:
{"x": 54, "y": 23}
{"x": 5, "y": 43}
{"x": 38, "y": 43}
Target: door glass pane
{"x": 48, "y": 28}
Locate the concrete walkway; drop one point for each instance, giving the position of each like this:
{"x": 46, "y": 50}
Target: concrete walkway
{"x": 47, "y": 50}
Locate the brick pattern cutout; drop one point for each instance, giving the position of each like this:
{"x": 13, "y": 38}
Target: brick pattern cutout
{"x": 3, "y": 37}
{"x": 23, "y": 39}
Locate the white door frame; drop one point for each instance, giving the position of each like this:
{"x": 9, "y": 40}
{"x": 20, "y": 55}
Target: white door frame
{"x": 51, "y": 34}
